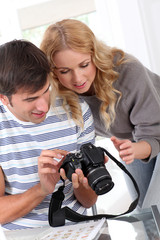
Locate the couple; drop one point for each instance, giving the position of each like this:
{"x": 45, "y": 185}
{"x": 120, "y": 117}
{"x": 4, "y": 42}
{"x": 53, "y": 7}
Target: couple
{"x": 123, "y": 97}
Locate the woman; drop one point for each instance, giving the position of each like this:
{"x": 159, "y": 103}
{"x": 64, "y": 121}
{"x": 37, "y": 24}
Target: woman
{"x": 121, "y": 92}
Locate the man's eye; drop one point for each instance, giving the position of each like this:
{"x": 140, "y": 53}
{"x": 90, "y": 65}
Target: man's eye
{"x": 31, "y": 99}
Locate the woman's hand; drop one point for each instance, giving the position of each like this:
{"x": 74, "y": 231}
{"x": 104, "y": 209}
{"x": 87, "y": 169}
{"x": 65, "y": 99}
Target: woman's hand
{"x": 125, "y": 148}
{"x": 128, "y": 151}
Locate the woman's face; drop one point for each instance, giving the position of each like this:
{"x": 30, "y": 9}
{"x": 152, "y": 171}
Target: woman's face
{"x": 75, "y": 70}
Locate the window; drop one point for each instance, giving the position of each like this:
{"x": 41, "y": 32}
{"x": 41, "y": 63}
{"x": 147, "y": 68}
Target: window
{"x": 35, "y": 18}
{"x": 35, "y": 34}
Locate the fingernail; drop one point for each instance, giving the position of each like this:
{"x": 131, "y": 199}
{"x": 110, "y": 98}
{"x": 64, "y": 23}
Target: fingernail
{"x": 74, "y": 177}
{"x": 84, "y": 180}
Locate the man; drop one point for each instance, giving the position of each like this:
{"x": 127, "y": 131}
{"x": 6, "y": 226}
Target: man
{"x": 31, "y": 132}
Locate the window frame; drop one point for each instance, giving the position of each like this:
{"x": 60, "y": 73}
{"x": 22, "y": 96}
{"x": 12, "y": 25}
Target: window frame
{"x": 52, "y": 11}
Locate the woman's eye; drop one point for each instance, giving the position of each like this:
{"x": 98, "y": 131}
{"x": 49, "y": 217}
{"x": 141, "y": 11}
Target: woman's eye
{"x": 64, "y": 72}
{"x": 85, "y": 65}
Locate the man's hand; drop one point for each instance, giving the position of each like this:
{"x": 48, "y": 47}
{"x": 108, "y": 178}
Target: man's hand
{"x": 83, "y": 192}
{"x": 77, "y": 178}
{"x": 48, "y": 168}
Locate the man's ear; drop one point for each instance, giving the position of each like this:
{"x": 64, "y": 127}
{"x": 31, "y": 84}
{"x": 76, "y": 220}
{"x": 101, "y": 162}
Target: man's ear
{"x": 4, "y": 99}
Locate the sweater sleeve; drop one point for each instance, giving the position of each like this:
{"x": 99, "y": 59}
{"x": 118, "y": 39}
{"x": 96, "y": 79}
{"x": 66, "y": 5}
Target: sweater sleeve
{"x": 140, "y": 90}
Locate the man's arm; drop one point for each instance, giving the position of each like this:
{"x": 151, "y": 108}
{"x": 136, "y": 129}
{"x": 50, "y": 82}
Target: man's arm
{"x": 83, "y": 192}
{"x": 15, "y": 206}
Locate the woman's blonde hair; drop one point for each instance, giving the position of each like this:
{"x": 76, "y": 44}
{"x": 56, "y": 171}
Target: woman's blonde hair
{"x": 75, "y": 35}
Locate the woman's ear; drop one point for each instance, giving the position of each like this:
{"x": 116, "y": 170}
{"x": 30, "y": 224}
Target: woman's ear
{"x": 4, "y": 99}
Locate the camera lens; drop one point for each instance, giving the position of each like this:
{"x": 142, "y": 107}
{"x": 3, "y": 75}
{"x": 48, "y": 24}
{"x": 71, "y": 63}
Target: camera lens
{"x": 103, "y": 186}
{"x": 100, "y": 180}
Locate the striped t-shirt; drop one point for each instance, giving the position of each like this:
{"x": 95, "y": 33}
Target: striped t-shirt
{"x": 21, "y": 144}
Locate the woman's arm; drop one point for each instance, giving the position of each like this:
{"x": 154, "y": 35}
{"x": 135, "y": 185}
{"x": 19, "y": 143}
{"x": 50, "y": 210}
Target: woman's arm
{"x": 128, "y": 151}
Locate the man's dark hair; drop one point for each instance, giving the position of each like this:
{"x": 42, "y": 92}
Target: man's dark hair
{"x": 22, "y": 66}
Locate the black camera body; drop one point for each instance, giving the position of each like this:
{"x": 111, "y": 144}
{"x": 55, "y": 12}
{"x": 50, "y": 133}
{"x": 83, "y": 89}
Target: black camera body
{"x": 91, "y": 160}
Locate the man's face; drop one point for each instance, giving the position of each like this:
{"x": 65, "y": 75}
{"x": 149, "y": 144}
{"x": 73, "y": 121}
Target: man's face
{"x": 30, "y": 107}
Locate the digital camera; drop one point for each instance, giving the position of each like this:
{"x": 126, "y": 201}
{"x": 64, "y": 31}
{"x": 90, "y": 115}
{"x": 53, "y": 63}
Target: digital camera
{"x": 90, "y": 159}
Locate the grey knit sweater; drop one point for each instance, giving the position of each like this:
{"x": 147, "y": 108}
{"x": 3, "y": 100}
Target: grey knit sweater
{"x": 138, "y": 112}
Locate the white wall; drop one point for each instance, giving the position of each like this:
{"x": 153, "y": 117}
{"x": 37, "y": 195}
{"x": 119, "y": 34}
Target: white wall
{"x": 150, "y": 13}
{"x": 132, "y": 25}
{"x": 9, "y": 23}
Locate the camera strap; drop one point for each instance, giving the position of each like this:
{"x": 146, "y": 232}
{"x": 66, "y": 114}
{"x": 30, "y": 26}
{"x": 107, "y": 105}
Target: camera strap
{"x": 57, "y": 215}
